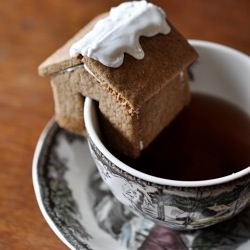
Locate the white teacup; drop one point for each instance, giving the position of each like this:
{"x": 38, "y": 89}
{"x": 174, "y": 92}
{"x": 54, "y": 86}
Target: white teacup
{"x": 224, "y": 73}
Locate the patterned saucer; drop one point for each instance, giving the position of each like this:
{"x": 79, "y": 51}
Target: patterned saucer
{"x": 84, "y": 214}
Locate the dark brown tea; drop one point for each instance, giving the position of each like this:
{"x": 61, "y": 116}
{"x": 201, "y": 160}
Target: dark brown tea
{"x": 209, "y": 139}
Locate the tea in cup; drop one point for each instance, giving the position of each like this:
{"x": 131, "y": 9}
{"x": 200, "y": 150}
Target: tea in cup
{"x": 197, "y": 171}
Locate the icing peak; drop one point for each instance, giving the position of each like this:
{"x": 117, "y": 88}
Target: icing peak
{"x": 120, "y": 31}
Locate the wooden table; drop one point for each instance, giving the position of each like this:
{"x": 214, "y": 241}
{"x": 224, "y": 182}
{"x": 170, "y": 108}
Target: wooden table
{"x": 29, "y": 32}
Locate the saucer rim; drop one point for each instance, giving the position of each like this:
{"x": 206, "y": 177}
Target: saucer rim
{"x": 49, "y": 128}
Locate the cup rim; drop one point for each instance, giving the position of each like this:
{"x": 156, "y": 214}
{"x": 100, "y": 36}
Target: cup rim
{"x": 92, "y": 133}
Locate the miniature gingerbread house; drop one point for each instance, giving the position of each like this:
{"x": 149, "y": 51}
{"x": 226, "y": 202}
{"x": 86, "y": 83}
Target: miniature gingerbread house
{"x": 136, "y": 100}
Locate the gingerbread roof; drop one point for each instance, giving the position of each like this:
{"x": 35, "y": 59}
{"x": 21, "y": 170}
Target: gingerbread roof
{"x": 165, "y": 57}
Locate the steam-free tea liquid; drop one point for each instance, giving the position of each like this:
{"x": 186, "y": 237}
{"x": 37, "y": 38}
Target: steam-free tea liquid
{"x": 210, "y": 138}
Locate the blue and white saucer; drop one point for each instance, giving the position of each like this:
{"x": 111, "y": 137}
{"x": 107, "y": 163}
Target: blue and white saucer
{"x": 84, "y": 214}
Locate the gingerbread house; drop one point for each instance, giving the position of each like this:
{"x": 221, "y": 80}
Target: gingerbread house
{"x": 136, "y": 100}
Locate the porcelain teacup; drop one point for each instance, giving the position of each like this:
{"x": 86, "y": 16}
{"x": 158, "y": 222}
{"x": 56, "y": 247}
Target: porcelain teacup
{"x": 183, "y": 205}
